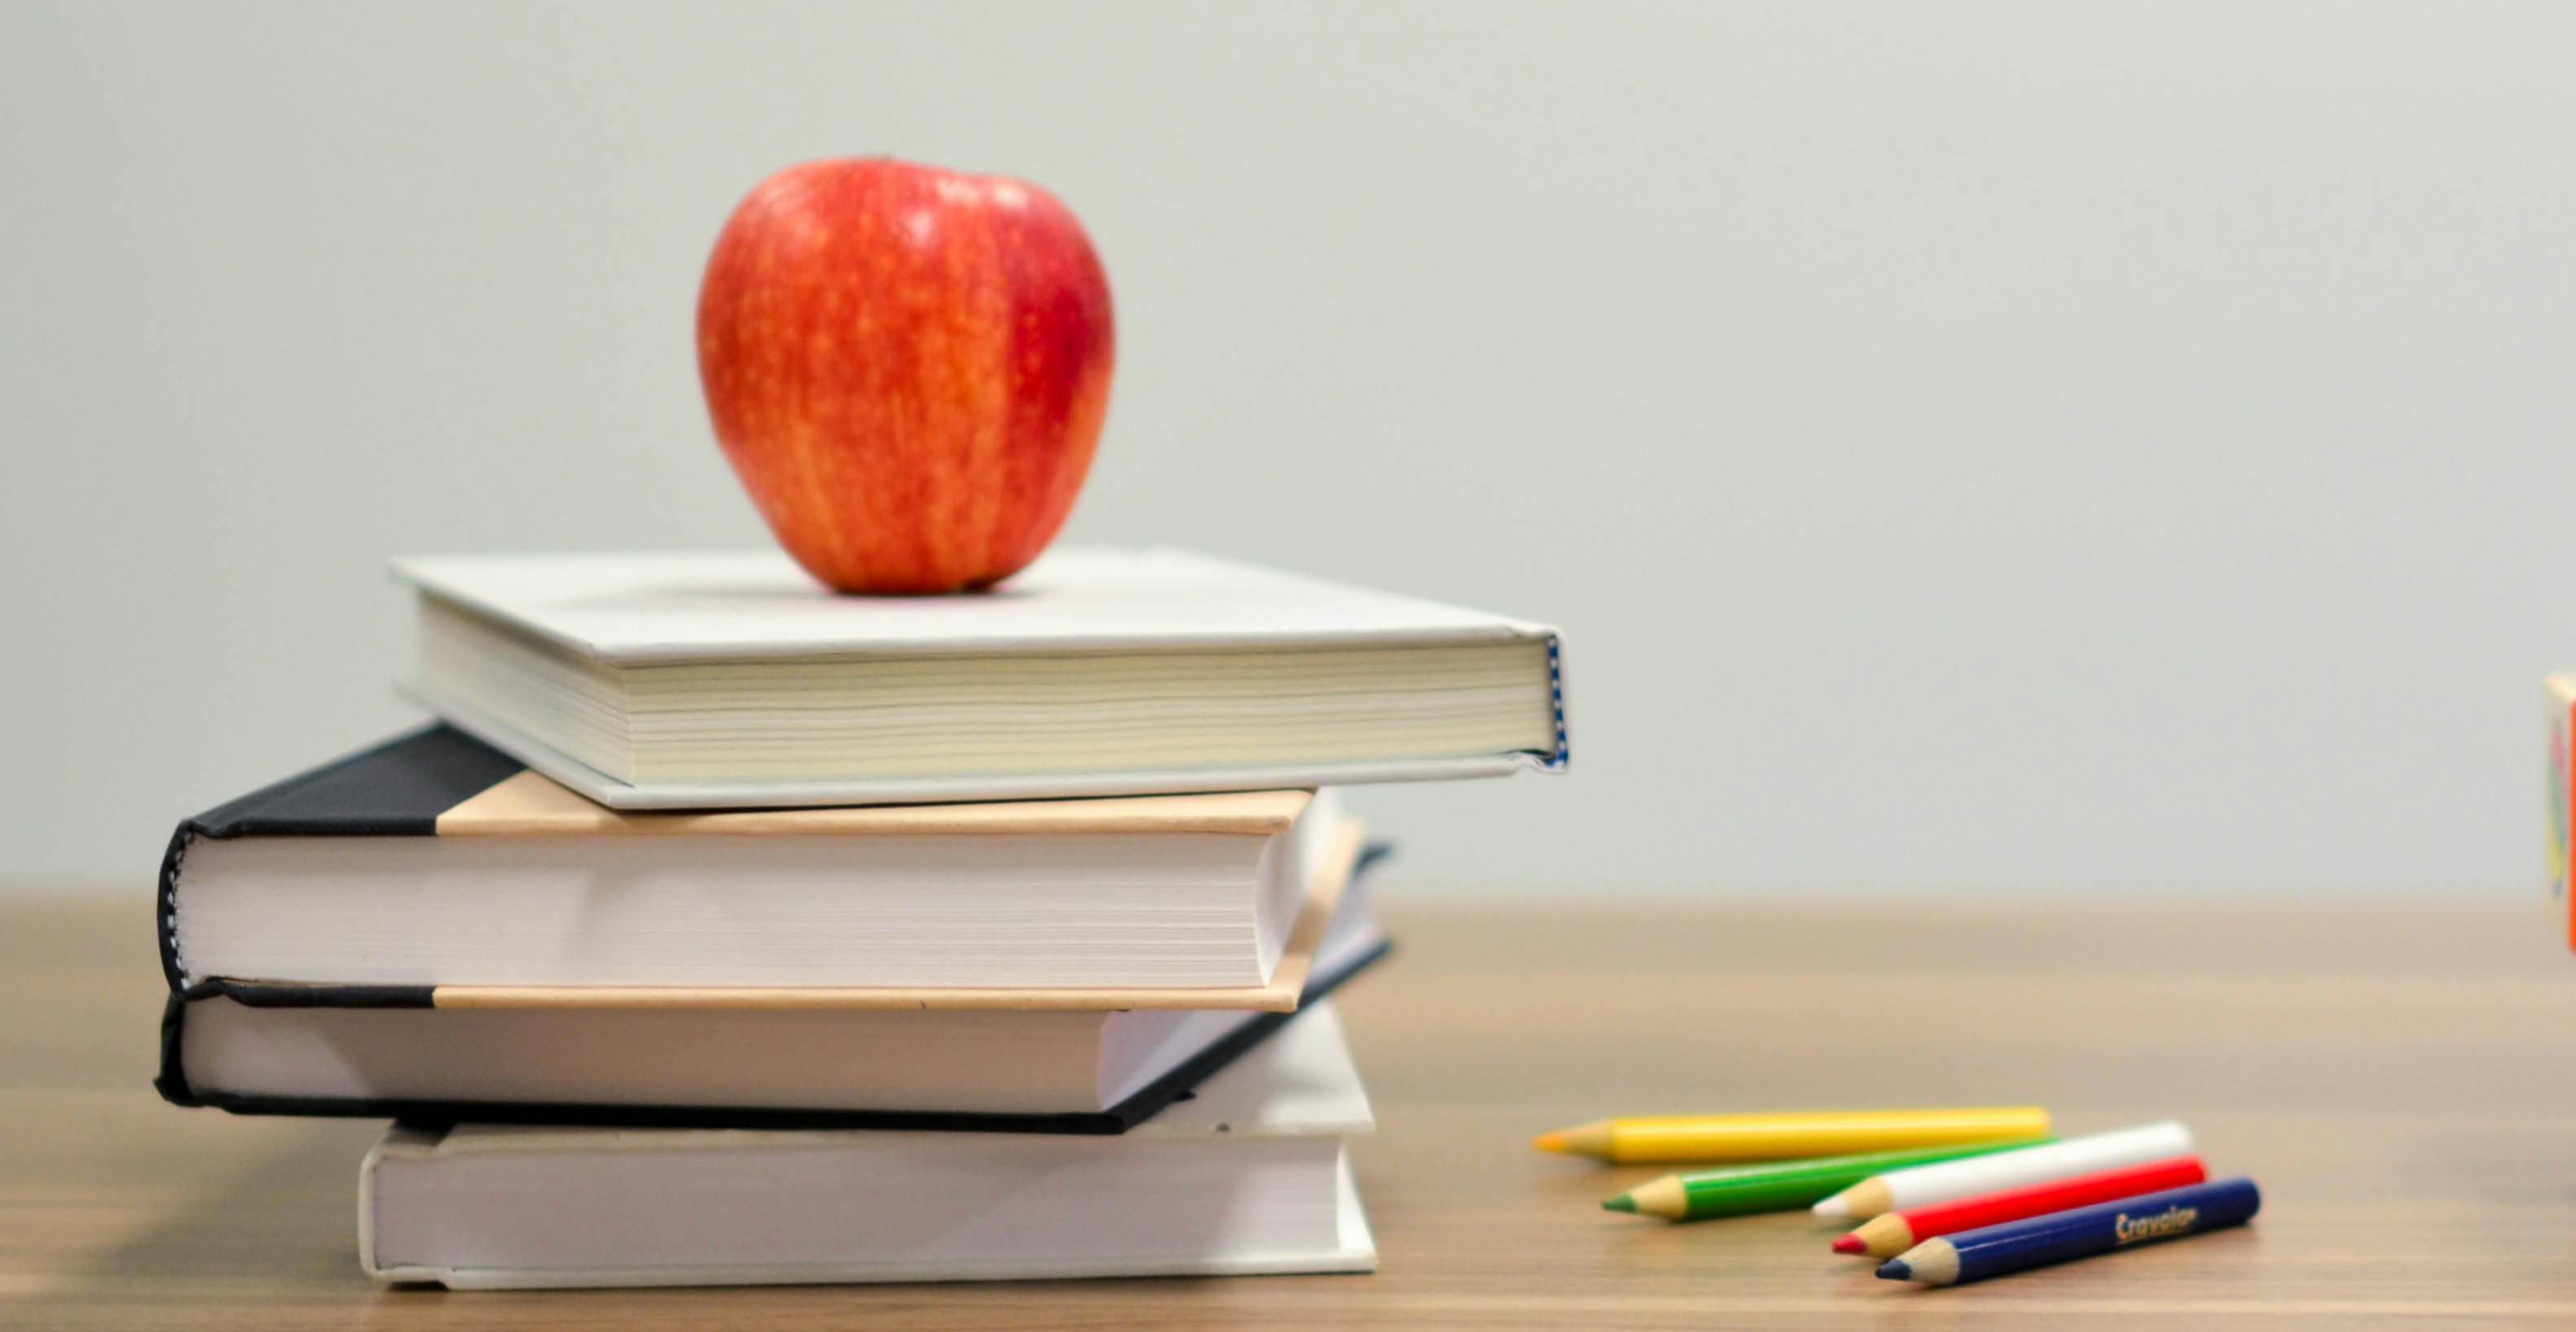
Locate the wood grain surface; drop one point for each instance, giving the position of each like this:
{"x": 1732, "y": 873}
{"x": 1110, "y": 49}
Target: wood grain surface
{"x": 2399, "y": 1074}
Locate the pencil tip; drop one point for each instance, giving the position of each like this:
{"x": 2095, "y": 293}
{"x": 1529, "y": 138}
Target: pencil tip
{"x": 1832, "y": 1206}
{"x": 1622, "y": 1203}
{"x": 1896, "y": 1269}
{"x": 1851, "y": 1244}
{"x": 1551, "y": 1142}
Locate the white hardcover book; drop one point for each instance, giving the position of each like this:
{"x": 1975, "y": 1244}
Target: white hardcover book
{"x": 1251, "y": 1176}
{"x": 733, "y": 679}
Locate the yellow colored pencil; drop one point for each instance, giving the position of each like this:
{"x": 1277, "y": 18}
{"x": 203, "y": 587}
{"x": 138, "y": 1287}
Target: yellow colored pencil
{"x": 1662, "y": 1138}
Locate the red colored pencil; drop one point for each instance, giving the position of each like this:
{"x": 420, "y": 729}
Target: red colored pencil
{"x": 1894, "y": 1232}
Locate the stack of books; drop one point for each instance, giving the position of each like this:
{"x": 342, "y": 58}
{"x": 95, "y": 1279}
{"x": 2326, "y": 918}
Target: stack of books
{"x": 726, "y": 930}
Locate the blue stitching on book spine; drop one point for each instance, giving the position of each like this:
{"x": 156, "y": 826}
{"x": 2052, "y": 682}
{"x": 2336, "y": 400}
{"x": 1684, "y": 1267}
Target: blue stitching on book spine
{"x": 1556, "y": 696}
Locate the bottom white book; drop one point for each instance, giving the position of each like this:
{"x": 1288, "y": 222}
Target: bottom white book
{"x": 1252, "y": 1175}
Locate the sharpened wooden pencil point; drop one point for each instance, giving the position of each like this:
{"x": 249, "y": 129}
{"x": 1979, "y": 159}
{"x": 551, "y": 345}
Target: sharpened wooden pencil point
{"x": 1665, "y": 1197}
{"x": 1622, "y": 1203}
{"x": 1591, "y": 1140}
{"x": 1861, "y": 1201}
{"x": 1883, "y": 1236}
{"x": 1895, "y": 1269}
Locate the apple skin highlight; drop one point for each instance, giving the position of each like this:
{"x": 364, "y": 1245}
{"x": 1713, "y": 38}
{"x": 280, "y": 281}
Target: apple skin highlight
{"x": 907, "y": 367}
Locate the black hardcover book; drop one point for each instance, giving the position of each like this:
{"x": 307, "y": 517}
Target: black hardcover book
{"x": 346, "y": 871}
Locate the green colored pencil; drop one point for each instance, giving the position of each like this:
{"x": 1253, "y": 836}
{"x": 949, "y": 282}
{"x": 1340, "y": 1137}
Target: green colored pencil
{"x": 1780, "y": 1186}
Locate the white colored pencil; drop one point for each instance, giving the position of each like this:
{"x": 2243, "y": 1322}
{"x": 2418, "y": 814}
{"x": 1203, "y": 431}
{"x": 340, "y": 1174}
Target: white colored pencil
{"x": 1949, "y": 1181}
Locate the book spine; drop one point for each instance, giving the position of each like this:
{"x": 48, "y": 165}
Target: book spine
{"x": 165, "y": 912}
{"x": 1564, "y": 755}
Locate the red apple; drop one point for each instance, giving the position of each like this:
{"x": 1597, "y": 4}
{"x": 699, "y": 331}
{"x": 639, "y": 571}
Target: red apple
{"x": 907, "y": 367}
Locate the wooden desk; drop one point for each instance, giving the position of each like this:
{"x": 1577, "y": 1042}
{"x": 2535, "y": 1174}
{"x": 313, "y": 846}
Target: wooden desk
{"x": 2400, "y": 1075}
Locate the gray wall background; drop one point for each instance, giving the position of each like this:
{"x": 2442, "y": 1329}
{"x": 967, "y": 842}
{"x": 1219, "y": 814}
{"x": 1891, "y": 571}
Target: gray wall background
{"x": 2010, "y": 446}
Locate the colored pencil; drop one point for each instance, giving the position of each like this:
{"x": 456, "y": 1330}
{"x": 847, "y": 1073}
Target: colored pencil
{"x": 1743, "y": 1190}
{"x": 1786, "y": 1137}
{"x": 1892, "y": 1233}
{"x": 2015, "y": 1246}
{"x": 1949, "y": 1181}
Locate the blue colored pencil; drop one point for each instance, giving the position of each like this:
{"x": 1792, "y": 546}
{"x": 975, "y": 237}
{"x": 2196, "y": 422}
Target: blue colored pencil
{"x": 1974, "y": 1255}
